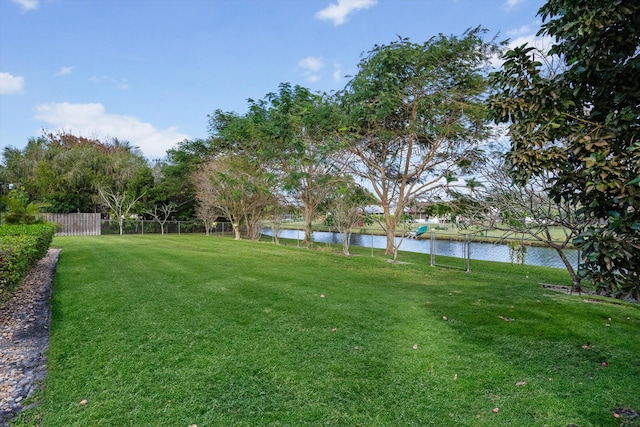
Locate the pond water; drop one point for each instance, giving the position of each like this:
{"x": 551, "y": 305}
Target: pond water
{"x": 481, "y": 251}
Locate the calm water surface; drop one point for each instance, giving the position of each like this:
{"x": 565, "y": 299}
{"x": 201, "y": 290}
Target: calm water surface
{"x": 481, "y": 251}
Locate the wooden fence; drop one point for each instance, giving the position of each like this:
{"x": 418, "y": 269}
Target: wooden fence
{"x": 75, "y": 224}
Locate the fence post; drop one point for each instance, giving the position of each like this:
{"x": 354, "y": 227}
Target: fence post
{"x": 433, "y": 247}
{"x": 467, "y": 251}
{"x": 371, "y": 242}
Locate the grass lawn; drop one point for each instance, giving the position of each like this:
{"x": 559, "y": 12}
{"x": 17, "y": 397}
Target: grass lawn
{"x": 181, "y": 330}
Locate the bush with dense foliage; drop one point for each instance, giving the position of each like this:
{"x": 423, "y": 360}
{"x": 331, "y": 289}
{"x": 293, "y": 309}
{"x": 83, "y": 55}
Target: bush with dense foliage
{"x": 581, "y": 127}
{"x": 20, "y": 247}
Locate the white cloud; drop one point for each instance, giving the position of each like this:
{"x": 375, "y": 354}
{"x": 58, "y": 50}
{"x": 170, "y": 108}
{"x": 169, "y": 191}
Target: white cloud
{"x": 10, "y": 84}
{"x": 541, "y": 43}
{"x": 311, "y": 63}
{"x": 510, "y": 4}
{"x": 525, "y": 29}
{"x": 63, "y": 71}
{"x": 118, "y": 83}
{"x": 309, "y": 67}
{"x": 27, "y": 5}
{"x": 92, "y": 119}
{"x": 338, "y": 12}
{"x": 337, "y": 73}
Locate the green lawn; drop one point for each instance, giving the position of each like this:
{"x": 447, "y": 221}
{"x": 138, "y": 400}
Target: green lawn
{"x": 182, "y": 330}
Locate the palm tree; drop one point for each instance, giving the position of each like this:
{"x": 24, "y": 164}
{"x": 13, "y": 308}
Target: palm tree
{"x": 472, "y": 184}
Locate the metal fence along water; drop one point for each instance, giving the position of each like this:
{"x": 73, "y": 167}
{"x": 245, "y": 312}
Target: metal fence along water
{"x": 442, "y": 249}
{"x": 441, "y": 245}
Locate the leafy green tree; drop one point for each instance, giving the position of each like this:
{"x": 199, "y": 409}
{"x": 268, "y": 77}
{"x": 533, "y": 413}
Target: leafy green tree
{"x": 581, "y": 125}
{"x": 65, "y": 170}
{"x": 415, "y": 115}
{"x": 172, "y": 177}
{"x": 346, "y": 210}
{"x": 299, "y": 139}
{"x": 23, "y": 166}
{"x": 293, "y": 132}
{"x": 235, "y": 188}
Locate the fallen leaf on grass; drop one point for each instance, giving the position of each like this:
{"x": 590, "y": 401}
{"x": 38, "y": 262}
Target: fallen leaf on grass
{"x": 334, "y": 329}
{"x": 521, "y": 383}
{"x": 321, "y": 295}
{"x": 415, "y": 346}
{"x": 444, "y": 318}
{"x": 585, "y": 346}
{"x": 83, "y": 402}
{"x": 496, "y": 410}
{"x": 506, "y": 319}
{"x": 455, "y": 377}
{"x": 628, "y": 413}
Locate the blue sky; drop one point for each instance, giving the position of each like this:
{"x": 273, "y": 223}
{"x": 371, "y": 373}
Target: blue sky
{"x": 150, "y": 71}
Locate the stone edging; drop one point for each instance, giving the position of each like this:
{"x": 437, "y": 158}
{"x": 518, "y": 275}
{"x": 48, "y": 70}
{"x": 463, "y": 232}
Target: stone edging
{"x": 24, "y": 337}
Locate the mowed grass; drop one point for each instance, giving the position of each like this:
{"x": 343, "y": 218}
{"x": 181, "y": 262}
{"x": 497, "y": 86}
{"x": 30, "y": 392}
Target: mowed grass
{"x": 183, "y": 330}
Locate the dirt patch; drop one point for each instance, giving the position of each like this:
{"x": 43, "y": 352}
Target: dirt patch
{"x": 567, "y": 289}
{"x": 603, "y": 299}
{"x": 24, "y": 337}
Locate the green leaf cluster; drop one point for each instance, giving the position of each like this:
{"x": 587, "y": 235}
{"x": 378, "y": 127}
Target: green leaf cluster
{"x": 18, "y": 209}
{"x": 65, "y": 171}
{"x": 581, "y": 124}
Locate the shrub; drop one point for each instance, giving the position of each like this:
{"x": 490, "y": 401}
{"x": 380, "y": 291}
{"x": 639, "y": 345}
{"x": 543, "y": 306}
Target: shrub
{"x": 20, "y": 210}
{"x": 20, "y": 247}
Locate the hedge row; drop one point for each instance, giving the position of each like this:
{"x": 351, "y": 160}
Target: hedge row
{"x": 20, "y": 247}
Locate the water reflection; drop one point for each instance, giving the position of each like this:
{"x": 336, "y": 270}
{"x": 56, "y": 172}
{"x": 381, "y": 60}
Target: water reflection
{"x": 481, "y": 251}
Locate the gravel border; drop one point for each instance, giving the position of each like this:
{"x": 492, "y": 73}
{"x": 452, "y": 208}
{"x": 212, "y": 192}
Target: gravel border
{"x": 24, "y": 337}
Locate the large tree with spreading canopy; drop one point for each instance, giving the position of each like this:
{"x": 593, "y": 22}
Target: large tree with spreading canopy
{"x": 292, "y": 132}
{"x": 581, "y": 125}
{"x": 415, "y": 115}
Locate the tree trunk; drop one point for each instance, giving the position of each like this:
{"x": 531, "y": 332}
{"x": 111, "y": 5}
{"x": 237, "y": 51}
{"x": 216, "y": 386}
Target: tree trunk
{"x": 236, "y": 230}
{"x": 345, "y": 243}
{"x": 575, "y": 279}
{"x": 390, "y": 229}
{"x": 308, "y": 220}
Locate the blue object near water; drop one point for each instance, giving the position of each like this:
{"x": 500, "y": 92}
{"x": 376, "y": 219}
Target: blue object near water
{"x": 421, "y": 230}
